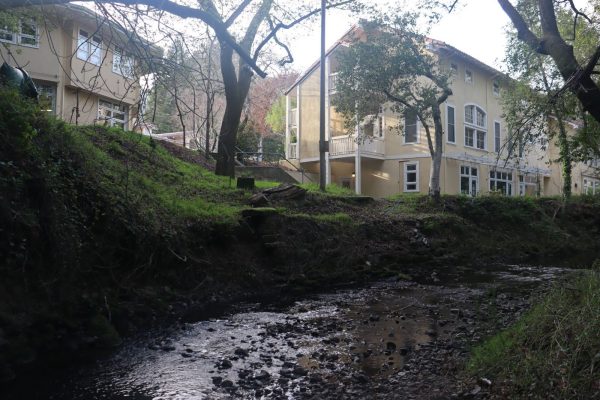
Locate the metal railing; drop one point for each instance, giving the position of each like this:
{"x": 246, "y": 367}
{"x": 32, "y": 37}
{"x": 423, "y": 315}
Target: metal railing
{"x": 343, "y": 145}
{"x": 247, "y": 159}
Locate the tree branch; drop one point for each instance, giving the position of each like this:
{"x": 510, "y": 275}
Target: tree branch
{"x": 169, "y": 6}
{"x": 282, "y": 25}
{"x": 523, "y": 31}
{"x": 236, "y": 13}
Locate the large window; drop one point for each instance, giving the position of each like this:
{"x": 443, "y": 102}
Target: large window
{"x": 475, "y": 127}
{"x": 26, "y": 34}
{"x": 528, "y": 185}
{"x": 451, "y": 130}
{"x": 47, "y": 99}
{"x": 411, "y": 176}
{"x": 411, "y": 131}
{"x": 501, "y": 182}
{"x": 496, "y": 88}
{"x": 122, "y": 63}
{"x": 469, "y": 76}
{"x": 591, "y": 186}
{"x": 114, "y": 114}
{"x": 89, "y": 49}
{"x": 497, "y": 137}
{"x": 469, "y": 180}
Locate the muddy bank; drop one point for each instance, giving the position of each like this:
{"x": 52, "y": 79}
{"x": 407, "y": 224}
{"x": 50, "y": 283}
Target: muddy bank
{"x": 392, "y": 339}
{"x": 274, "y": 254}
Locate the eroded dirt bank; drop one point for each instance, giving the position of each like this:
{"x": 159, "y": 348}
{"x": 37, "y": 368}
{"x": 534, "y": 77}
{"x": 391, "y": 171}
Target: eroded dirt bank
{"x": 274, "y": 254}
{"x": 395, "y": 339}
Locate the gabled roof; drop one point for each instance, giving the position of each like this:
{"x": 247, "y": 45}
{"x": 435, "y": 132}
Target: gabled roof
{"x": 438, "y": 46}
{"x": 444, "y": 47}
{"x": 342, "y": 40}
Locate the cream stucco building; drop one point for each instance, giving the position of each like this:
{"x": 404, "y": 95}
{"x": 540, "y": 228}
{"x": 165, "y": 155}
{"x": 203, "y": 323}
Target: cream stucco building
{"x": 388, "y": 162}
{"x": 85, "y": 67}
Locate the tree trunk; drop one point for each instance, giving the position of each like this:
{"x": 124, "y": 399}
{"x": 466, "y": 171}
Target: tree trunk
{"x": 236, "y": 91}
{"x": 565, "y": 156}
{"x": 227, "y": 140}
{"x": 551, "y": 43}
{"x": 436, "y": 156}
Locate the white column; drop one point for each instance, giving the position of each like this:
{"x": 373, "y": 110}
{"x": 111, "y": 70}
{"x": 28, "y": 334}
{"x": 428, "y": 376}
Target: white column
{"x": 287, "y": 126}
{"x": 327, "y": 122}
{"x": 298, "y": 127}
{"x": 357, "y": 171}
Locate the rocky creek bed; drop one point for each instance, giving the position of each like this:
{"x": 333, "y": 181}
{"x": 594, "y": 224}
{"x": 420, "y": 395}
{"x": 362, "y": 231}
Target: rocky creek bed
{"x": 393, "y": 339}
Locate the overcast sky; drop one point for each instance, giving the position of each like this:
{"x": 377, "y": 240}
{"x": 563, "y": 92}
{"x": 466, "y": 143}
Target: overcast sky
{"x": 477, "y": 28}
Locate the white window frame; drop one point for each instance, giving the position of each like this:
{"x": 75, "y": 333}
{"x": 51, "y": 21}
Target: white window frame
{"x": 591, "y": 186}
{"x": 448, "y": 123}
{"x": 496, "y": 88}
{"x": 469, "y": 77}
{"x": 418, "y": 131}
{"x": 48, "y": 90}
{"x": 453, "y": 69}
{"x": 123, "y": 63}
{"x": 86, "y": 49}
{"x": 112, "y": 121}
{"x": 406, "y": 172}
{"x": 333, "y": 82}
{"x": 497, "y": 136}
{"x": 18, "y": 36}
{"x": 7, "y": 32}
{"x": 477, "y": 129}
{"x": 472, "y": 178}
{"x": 495, "y": 176}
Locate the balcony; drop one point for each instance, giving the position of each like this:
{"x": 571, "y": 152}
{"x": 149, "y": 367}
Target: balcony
{"x": 340, "y": 146}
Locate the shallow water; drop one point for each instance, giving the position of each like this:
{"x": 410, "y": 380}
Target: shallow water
{"x": 388, "y": 339}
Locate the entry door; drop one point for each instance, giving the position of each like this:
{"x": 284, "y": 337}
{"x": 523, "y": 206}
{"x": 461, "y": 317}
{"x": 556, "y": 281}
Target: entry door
{"x": 469, "y": 180}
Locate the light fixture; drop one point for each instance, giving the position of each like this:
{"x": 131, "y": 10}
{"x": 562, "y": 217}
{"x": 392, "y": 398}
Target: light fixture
{"x": 354, "y": 174}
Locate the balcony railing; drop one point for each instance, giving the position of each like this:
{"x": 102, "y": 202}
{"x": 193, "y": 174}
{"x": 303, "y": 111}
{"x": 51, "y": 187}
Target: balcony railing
{"x": 333, "y": 82}
{"x": 293, "y": 151}
{"x": 346, "y": 145}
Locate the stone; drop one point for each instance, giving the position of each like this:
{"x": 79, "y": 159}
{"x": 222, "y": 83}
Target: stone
{"x": 243, "y": 353}
{"x": 262, "y": 375}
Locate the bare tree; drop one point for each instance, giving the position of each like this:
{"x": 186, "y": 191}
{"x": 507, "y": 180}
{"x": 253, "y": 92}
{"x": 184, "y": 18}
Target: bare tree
{"x": 256, "y": 23}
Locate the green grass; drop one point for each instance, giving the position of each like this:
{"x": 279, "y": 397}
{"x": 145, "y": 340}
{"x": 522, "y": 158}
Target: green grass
{"x": 330, "y": 190}
{"x": 554, "y": 349}
{"x": 148, "y": 176}
{"x": 336, "y": 218}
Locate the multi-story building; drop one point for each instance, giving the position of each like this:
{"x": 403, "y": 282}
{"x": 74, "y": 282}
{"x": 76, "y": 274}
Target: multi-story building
{"x": 385, "y": 162}
{"x": 85, "y": 67}
{"x": 585, "y": 176}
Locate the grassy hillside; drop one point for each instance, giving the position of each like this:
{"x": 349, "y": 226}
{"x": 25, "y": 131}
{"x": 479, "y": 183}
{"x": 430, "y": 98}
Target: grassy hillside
{"x": 554, "y": 351}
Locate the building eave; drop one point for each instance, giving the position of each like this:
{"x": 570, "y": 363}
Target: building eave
{"x": 124, "y": 35}
{"x": 316, "y": 64}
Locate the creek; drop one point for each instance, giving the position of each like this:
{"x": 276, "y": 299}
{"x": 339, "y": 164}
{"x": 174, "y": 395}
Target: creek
{"x": 399, "y": 338}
